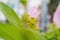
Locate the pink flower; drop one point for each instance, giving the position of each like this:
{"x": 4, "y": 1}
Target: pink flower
{"x": 34, "y": 13}
{"x": 57, "y": 16}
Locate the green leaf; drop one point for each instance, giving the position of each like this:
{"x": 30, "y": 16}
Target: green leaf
{"x": 24, "y": 2}
{"x": 11, "y": 15}
{"x": 25, "y": 17}
{"x": 30, "y": 35}
{"x": 9, "y": 32}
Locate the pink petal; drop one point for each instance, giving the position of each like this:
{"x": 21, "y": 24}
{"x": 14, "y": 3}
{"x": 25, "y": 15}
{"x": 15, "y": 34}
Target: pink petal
{"x": 57, "y": 16}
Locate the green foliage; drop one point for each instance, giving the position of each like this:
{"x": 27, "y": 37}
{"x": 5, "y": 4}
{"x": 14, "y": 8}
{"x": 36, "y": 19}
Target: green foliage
{"x": 9, "y": 32}
{"x": 32, "y": 23}
{"x": 10, "y": 15}
{"x": 24, "y": 2}
{"x": 53, "y": 32}
{"x": 29, "y": 21}
{"x": 14, "y": 30}
{"x": 59, "y": 1}
{"x": 25, "y": 17}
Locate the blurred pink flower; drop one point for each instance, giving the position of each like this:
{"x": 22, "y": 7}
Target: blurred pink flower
{"x": 56, "y": 18}
{"x": 35, "y": 13}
